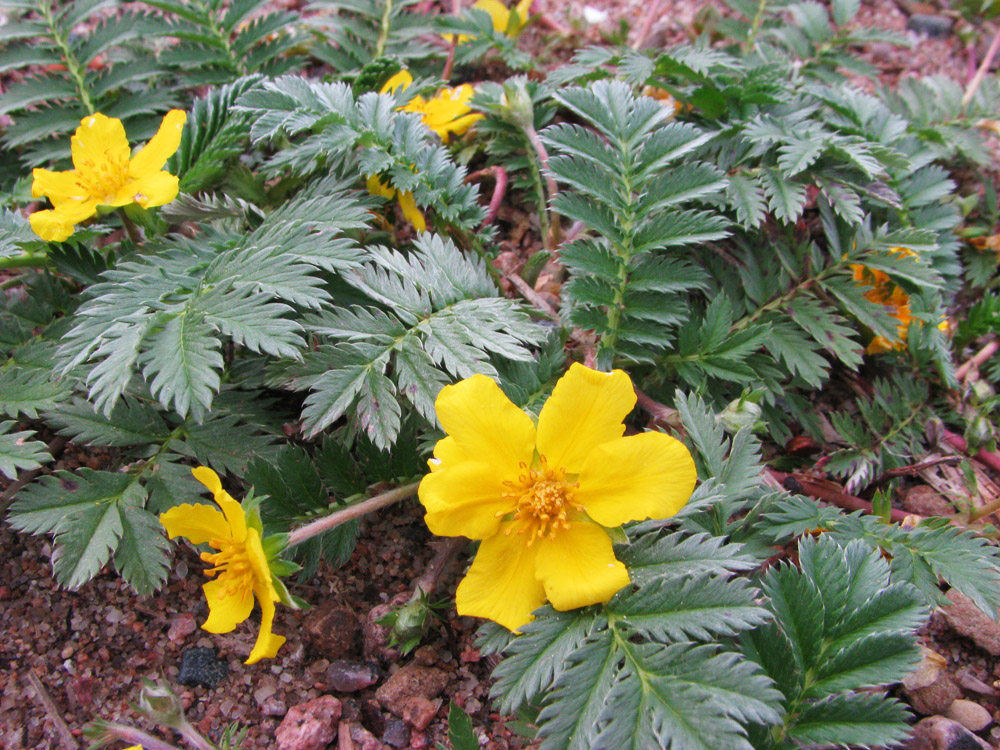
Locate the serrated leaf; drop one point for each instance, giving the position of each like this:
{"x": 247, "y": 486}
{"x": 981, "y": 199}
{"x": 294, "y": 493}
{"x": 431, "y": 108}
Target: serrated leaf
{"x": 17, "y": 451}
{"x": 131, "y": 422}
{"x": 142, "y": 558}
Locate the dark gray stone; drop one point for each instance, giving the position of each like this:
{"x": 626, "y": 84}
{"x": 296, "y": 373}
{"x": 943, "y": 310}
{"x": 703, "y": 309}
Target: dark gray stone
{"x": 934, "y": 27}
{"x": 202, "y": 666}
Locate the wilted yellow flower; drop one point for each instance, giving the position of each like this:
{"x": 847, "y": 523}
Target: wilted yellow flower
{"x": 103, "y": 174}
{"x": 406, "y": 202}
{"x": 445, "y": 113}
{"x": 540, "y": 499}
{"x": 892, "y": 297}
{"x": 241, "y": 564}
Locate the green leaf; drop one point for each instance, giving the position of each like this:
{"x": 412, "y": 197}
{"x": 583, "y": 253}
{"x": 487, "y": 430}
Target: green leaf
{"x": 142, "y": 558}
{"x": 17, "y": 451}
{"x": 460, "y": 729}
{"x": 131, "y": 422}
{"x": 182, "y": 364}
{"x": 536, "y": 658}
{"x": 679, "y": 554}
{"x": 29, "y": 390}
{"x": 703, "y": 607}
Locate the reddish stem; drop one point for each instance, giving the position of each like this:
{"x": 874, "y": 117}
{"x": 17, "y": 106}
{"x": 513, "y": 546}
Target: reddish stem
{"x": 499, "y": 174}
{"x": 820, "y": 491}
{"x": 984, "y": 66}
{"x": 957, "y": 442}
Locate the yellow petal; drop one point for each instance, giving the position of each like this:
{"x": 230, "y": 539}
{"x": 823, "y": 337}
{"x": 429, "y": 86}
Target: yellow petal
{"x": 375, "y": 186}
{"x": 196, "y": 523}
{"x": 161, "y": 147}
{"x": 58, "y": 187}
{"x": 153, "y": 189}
{"x": 447, "y": 453}
{"x": 411, "y": 212}
{"x": 586, "y": 408}
{"x": 578, "y": 566}
{"x": 402, "y": 79}
{"x": 632, "y": 478}
{"x": 501, "y": 584}
{"x": 226, "y": 609}
{"x": 486, "y": 426}
{"x": 498, "y": 12}
{"x": 465, "y": 500}
{"x": 100, "y": 143}
{"x": 268, "y": 643}
{"x": 523, "y": 9}
{"x": 462, "y": 124}
{"x": 51, "y": 226}
{"x": 235, "y": 516}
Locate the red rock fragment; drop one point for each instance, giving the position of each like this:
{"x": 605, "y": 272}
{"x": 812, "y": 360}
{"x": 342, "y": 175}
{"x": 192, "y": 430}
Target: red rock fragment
{"x": 309, "y": 726}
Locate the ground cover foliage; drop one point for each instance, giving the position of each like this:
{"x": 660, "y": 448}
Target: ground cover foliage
{"x": 737, "y": 224}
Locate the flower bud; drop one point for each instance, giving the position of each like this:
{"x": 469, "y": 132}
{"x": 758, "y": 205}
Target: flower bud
{"x": 160, "y": 705}
{"x": 739, "y": 414}
{"x": 518, "y": 108}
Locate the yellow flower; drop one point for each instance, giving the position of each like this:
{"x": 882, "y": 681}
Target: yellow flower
{"x": 540, "y": 499}
{"x": 103, "y": 174}
{"x": 445, "y": 113}
{"x": 241, "y": 564}
{"x": 406, "y": 202}
{"x": 504, "y": 20}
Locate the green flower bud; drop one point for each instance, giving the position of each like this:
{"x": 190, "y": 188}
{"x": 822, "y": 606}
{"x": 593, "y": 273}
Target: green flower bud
{"x": 739, "y": 414}
{"x": 518, "y": 108}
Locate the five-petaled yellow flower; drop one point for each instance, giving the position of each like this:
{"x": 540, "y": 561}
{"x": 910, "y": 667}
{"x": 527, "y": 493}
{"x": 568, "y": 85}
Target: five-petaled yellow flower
{"x": 103, "y": 174}
{"x": 445, "y": 113}
{"x": 541, "y": 498}
{"x": 506, "y": 20}
{"x": 241, "y": 564}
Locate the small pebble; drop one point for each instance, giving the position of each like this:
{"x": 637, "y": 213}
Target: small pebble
{"x": 933, "y": 26}
{"x": 202, "y": 666}
{"x": 396, "y": 734}
{"x": 349, "y": 677}
{"x": 970, "y": 715}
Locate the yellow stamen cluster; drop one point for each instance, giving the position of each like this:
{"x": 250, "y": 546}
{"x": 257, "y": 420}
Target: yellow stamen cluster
{"x": 543, "y": 498}
{"x": 232, "y": 563}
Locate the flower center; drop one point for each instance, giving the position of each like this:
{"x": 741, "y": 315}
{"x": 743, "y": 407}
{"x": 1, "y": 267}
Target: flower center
{"x": 232, "y": 563}
{"x": 543, "y": 500}
{"x": 102, "y": 177}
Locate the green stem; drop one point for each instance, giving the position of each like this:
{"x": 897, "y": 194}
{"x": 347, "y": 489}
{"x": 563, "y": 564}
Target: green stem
{"x": 223, "y": 39}
{"x": 27, "y": 260}
{"x": 755, "y": 25}
{"x": 322, "y": 525}
{"x": 73, "y": 67}
{"x": 130, "y": 228}
{"x": 383, "y": 34}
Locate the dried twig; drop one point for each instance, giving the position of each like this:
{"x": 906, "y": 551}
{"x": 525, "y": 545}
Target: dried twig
{"x": 652, "y": 13}
{"x": 533, "y": 297}
{"x": 53, "y": 713}
{"x": 914, "y": 469}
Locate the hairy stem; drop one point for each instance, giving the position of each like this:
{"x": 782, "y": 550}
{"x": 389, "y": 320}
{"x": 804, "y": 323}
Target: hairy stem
{"x": 131, "y": 228}
{"x": 73, "y": 67}
{"x": 755, "y": 25}
{"x": 984, "y": 66}
{"x": 552, "y": 239}
{"x": 332, "y": 521}
{"x": 384, "y": 27}
{"x": 28, "y": 260}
